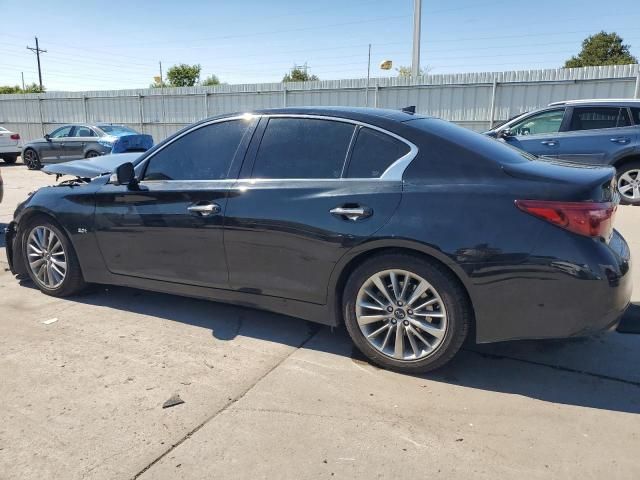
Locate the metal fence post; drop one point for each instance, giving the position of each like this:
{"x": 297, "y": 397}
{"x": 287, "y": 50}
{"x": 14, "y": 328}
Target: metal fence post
{"x": 85, "y": 106}
{"x": 637, "y": 92}
{"x": 376, "y": 89}
{"x": 284, "y": 96}
{"x": 141, "y": 112}
{"x": 40, "y": 99}
{"x": 206, "y": 105}
{"x": 492, "y": 110}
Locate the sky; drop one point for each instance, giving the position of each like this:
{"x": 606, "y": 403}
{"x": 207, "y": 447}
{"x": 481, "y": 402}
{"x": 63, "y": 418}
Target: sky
{"x": 118, "y": 44}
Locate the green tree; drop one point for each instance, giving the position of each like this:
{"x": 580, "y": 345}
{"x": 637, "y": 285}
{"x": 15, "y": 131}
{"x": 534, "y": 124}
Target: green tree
{"x": 183, "y": 75}
{"x": 210, "y": 81}
{"x": 602, "y": 49}
{"x": 33, "y": 88}
{"x": 299, "y": 75}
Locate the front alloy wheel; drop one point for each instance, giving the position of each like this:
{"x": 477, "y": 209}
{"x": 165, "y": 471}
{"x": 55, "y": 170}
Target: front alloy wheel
{"x": 401, "y": 314}
{"x": 47, "y": 258}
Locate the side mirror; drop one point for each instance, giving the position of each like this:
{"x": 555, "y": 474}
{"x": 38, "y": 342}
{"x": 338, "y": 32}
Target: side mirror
{"x": 506, "y": 133}
{"x": 47, "y": 137}
{"x": 126, "y": 175}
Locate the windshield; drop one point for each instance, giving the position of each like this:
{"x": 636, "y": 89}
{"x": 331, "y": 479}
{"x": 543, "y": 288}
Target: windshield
{"x": 117, "y": 130}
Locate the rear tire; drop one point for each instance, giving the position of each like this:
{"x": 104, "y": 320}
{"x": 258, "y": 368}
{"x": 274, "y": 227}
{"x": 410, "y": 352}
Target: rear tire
{"x": 403, "y": 329}
{"x": 50, "y": 259}
{"x": 628, "y": 183}
{"x": 10, "y": 159}
{"x": 31, "y": 159}
{"x": 91, "y": 154}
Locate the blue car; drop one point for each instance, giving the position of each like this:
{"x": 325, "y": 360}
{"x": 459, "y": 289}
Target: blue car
{"x": 73, "y": 142}
{"x": 593, "y": 132}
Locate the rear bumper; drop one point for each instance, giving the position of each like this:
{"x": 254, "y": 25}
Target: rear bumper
{"x": 12, "y": 149}
{"x": 545, "y": 297}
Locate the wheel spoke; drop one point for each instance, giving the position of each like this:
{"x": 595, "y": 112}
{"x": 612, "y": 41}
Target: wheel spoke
{"x": 414, "y": 346}
{"x": 626, "y": 177}
{"x": 426, "y": 304}
{"x": 377, "y": 281}
{"x": 636, "y": 191}
{"x": 417, "y": 334}
{"x": 625, "y": 188}
{"x": 428, "y": 328}
{"x": 422, "y": 287}
{"x": 370, "y": 306}
{"x": 395, "y": 286}
{"x": 429, "y": 314}
{"x": 367, "y": 319}
{"x": 387, "y": 337}
{"x": 379, "y": 331}
{"x": 399, "y": 346}
{"x": 405, "y": 286}
{"x": 374, "y": 297}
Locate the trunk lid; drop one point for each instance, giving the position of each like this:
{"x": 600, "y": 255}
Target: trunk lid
{"x": 567, "y": 180}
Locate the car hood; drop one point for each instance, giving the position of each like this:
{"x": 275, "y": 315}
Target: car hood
{"x": 92, "y": 167}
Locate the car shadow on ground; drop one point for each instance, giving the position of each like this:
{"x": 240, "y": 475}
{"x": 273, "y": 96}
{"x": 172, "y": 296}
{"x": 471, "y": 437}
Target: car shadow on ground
{"x": 477, "y": 367}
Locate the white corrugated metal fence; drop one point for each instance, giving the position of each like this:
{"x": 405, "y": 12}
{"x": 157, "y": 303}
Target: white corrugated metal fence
{"x": 474, "y": 100}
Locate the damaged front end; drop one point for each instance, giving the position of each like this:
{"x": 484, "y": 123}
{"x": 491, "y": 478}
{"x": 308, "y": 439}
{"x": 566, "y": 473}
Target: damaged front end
{"x": 12, "y": 246}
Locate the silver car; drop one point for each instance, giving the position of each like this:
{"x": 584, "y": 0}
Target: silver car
{"x": 72, "y": 142}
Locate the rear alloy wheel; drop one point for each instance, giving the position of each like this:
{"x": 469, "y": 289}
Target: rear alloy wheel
{"x": 31, "y": 160}
{"x": 629, "y": 183}
{"x": 91, "y": 154}
{"x": 406, "y": 313}
{"x": 50, "y": 259}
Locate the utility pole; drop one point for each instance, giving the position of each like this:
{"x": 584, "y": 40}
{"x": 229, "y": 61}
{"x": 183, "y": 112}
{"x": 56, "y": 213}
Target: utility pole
{"x": 417, "y": 21}
{"x": 38, "y": 50}
{"x": 22, "y": 74}
{"x": 161, "y": 80}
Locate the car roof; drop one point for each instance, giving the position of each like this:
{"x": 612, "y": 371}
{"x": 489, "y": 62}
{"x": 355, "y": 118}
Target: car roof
{"x": 635, "y": 102}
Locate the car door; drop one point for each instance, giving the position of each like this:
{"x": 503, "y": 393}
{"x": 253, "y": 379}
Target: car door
{"x": 51, "y": 151}
{"x": 170, "y": 227}
{"x": 596, "y": 134}
{"x": 74, "y": 146}
{"x": 311, "y": 188}
{"x": 538, "y": 133}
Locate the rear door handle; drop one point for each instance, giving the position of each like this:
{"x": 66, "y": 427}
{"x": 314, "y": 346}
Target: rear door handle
{"x": 204, "y": 209}
{"x": 620, "y": 140}
{"x": 549, "y": 143}
{"x": 351, "y": 213}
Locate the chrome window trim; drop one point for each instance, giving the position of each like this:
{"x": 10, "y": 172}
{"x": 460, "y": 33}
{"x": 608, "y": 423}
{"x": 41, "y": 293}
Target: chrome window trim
{"x": 393, "y": 173}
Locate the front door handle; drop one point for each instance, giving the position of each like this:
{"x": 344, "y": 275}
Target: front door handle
{"x": 204, "y": 209}
{"x": 549, "y": 143}
{"x": 351, "y": 213}
{"x": 622, "y": 140}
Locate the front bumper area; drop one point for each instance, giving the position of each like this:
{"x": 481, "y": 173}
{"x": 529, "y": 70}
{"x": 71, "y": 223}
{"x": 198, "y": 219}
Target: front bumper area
{"x": 12, "y": 240}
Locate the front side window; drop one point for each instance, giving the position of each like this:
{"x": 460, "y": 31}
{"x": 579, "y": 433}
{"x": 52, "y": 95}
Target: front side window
{"x": 303, "y": 148}
{"x": 202, "y": 154}
{"x": 546, "y": 122}
{"x": 594, "y": 118}
{"x": 61, "y": 132}
{"x": 373, "y": 153}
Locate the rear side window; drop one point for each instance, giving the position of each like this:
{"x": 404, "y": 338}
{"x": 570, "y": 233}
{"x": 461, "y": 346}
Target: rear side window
{"x": 303, "y": 148}
{"x": 83, "y": 132}
{"x": 635, "y": 112}
{"x": 203, "y": 154}
{"x": 593, "y": 118}
{"x": 373, "y": 153}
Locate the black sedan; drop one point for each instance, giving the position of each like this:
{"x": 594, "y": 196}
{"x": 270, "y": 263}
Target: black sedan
{"x": 412, "y": 231}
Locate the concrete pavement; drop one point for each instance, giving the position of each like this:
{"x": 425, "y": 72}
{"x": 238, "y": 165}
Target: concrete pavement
{"x": 267, "y": 396}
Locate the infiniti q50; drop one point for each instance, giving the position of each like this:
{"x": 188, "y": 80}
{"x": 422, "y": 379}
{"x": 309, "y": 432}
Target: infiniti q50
{"x": 412, "y": 231}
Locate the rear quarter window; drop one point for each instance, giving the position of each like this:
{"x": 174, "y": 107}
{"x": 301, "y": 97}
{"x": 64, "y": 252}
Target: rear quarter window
{"x": 373, "y": 153}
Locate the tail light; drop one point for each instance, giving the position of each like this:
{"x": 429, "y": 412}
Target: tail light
{"x": 15, "y": 136}
{"x": 584, "y": 218}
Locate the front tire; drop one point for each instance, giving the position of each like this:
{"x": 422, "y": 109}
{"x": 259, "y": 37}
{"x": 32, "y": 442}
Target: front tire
{"x": 50, "y": 259}
{"x": 31, "y": 159}
{"x": 406, "y": 313}
{"x": 628, "y": 182}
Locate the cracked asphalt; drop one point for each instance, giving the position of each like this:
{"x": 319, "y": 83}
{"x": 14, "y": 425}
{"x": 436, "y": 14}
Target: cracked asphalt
{"x": 268, "y": 396}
